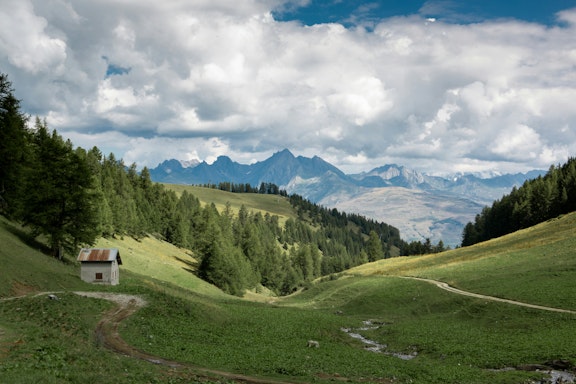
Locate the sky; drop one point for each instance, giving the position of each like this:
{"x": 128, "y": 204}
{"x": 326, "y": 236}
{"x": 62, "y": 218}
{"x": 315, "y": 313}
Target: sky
{"x": 440, "y": 86}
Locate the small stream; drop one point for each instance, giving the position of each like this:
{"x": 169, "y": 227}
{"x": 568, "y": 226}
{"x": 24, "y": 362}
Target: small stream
{"x": 556, "y": 376}
{"x": 374, "y": 346}
{"x": 562, "y": 377}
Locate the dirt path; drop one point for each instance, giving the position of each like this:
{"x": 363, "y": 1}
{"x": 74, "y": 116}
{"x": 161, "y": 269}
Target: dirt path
{"x": 108, "y": 336}
{"x": 446, "y": 287}
{"x": 107, "y": 328}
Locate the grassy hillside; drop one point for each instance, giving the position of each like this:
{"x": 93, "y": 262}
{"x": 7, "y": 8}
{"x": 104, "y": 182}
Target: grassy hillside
{"x": 452, "y": 338}
{"x": 161, "y": 261}
{"x": 536, "y": 265}
{"x": 273, "y": 204}
{"x": 24, "y": 268}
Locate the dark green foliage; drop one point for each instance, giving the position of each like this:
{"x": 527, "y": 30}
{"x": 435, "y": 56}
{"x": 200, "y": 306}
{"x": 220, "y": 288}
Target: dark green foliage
{"x": 425, "y": 248}
{"x": 265, "y": 188}
{"x": 60, "y": 201}
{"x": 341, "y": 238}
{"x": 14, "y": 138}
{"x": 223, "y": 264}
{"x": 72, "y": 196}
{"x": 374, "y": 248}
{"x": 536, "y": 201}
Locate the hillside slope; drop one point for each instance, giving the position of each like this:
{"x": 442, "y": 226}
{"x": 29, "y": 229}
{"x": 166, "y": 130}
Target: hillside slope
{"x": 536, "y": 265}
{"x": 24, "y": 268}
{"x": 272, "y": 204}
{"x": 418, "y": 214}
{"x": 162, "y": 261}
{"x": 448, "y": 338}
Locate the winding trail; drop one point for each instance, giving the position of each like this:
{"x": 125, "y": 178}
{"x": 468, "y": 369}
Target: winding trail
{"x": 107, "y": 335}
{"x": 446, "y": 287}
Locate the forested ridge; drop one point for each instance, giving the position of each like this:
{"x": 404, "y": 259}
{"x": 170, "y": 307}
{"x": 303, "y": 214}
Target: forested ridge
{"x": 536, "y": 201}
{"x": 71, "y": 196}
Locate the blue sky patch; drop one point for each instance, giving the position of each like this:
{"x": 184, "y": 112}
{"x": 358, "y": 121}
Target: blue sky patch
{"x": 361, "y": 12}
{"x": 113, "y": 69}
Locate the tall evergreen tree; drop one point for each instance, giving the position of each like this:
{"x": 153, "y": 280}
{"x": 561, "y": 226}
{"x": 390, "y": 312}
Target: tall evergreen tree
{"x": 537, "y": 200}
{"x": 60, "y": 201}
{"x": 374, "y": 247}
{"x": 14, "y": 138}
{"x": 223, "y": 264}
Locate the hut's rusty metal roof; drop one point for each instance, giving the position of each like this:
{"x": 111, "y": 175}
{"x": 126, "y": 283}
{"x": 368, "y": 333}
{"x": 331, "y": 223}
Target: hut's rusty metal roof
{"x": 99, "y": 254}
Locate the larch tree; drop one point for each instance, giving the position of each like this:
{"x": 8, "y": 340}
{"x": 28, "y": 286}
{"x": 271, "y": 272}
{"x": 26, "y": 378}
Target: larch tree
{"x": 60, "y": 202}
{"x": 374, "y": 247}
{"x": 14, "y": 137}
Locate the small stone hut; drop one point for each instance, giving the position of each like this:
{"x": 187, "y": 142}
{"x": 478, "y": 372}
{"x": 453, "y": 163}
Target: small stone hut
{"x": 100, "y": 265}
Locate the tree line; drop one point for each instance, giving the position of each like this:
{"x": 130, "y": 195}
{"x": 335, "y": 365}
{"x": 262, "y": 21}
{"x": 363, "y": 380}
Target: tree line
{"x": 264, "y": 189}
{"x": 422, "y": 248}
{"x": 71, "y": 196}
{"x": 534, "y": 202}
{"x": 318, "y": 215}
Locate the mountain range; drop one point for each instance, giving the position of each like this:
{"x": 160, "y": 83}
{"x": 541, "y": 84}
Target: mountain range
{"x": 421, "y": 206}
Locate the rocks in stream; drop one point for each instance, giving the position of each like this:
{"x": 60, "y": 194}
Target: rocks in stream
{"x": 561, "y": 365}
{"x": 559, "y": 371}
{"x": 374, "y": 346}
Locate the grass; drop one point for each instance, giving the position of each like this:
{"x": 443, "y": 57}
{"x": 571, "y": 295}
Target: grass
{"x": 17, "y": 251}
{"x": 457, "y": 339}
{"x": 161, "y": 261}
{"x": 52, "y": 342}
{"x": 272, "y": 204}
{"x": 535, "y": 265}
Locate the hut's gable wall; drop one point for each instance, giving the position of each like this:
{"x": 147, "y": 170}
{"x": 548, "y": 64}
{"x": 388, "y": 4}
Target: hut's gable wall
{"x": 96, "y": 270}
{"x": 100, "y": 272}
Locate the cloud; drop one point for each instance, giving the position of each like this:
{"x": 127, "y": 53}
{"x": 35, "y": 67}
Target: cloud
{"x": 25, "y": 41}
{"x": 210, "y": 77}
{"x": 517, "y": 143}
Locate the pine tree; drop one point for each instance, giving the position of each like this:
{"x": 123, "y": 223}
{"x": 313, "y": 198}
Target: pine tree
{"x": 222, "y": 264}
{"x": 61, "y": 202}
{"x": 374, "y": 247}
{"x": 14, "y": 148}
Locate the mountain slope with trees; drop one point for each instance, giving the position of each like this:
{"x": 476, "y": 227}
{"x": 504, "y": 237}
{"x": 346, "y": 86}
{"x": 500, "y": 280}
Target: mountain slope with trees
{"x": 442, "y": 205}
{"x": 72, "y": 196}
{"x": 535, "y": 201}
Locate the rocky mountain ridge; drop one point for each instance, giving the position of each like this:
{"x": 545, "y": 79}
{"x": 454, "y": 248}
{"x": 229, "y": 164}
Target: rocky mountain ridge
{"x": 421, "y": 206}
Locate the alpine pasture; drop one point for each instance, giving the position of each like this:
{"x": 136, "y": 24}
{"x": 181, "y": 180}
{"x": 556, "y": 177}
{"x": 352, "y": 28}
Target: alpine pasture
{"x": 450, "y": 338}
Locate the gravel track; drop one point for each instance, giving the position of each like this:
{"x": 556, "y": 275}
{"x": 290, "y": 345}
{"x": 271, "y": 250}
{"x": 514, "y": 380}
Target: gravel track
{"x": 446, "y": 287}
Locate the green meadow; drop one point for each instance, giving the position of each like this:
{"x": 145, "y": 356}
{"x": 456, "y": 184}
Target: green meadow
{"x": 272, "y": 204}
{"x": 450, "y": 338}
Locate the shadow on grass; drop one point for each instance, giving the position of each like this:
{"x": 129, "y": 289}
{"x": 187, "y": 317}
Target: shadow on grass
{"x": 193, "y": 265}
{"x": 25, "y": 236}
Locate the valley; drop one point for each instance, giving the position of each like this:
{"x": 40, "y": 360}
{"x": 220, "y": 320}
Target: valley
{"x": 454, "y": 338}
{"x": 436, "y": 246}
{"x": 418, "y": 214}
{"x": 419, "y": 205}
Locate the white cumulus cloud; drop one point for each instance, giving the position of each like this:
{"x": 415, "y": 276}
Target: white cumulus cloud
{"x": 25, "y": 41}
{"x": 220, "y": 77}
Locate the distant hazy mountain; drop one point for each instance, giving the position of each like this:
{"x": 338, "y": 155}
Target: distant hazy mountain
{"x": 480, "y": 190}
{"x": 279, "y": 169}
{"x": 419, "y": 205}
